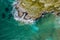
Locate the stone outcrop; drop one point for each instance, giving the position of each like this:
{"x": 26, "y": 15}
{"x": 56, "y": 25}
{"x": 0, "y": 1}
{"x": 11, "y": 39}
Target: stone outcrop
{"x": 34, "y": 8}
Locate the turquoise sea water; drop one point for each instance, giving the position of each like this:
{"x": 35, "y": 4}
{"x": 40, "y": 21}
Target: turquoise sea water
{"x": 46, "y": 28}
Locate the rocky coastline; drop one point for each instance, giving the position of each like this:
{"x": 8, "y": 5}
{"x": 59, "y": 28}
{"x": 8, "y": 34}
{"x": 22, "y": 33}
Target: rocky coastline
{"x": 30, "y": 14}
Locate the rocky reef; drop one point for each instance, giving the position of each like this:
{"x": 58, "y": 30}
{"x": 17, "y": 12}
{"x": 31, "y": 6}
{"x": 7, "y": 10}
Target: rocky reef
{"x": 33, "y": 9}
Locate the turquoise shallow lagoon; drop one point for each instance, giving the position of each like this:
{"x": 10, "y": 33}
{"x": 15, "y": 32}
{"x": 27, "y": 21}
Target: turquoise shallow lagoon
{"x": 46, "y": 28}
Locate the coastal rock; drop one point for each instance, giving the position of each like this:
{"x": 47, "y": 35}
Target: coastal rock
{"x": 35, "y": 8}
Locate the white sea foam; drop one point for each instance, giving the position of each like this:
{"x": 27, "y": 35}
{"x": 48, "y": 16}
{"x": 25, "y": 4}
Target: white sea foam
{"x": 21, "y": 19}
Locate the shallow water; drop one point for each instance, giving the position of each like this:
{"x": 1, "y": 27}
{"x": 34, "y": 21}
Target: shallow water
{"x": 46, "y": 28}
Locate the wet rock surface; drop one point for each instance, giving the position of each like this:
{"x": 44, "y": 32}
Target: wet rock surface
{"x": 34, "y": 8}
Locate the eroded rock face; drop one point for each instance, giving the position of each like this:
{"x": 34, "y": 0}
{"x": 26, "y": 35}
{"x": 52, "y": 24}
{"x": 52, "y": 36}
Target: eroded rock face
{"x": 34, "y": 8}
{"x": 31, "y": 7}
